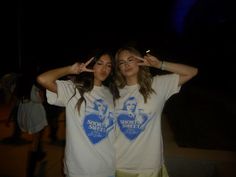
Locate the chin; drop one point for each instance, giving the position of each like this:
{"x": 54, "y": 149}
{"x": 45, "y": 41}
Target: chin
{"x": 102, "y": 79}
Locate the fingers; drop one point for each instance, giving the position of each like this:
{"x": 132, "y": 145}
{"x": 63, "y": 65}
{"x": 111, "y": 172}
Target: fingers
{"x": 89, "y": 61}
{"x": 142, "y": 59}
{"x": 84, "y": 69}
{"x": 142, "y": 64}
{"x": 89, "y": 70}
{"x": 146, "y": 61}
{"x": 82, "y": 66}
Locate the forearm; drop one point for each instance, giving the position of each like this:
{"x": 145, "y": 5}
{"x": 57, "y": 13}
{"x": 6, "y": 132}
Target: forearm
{"x": 185, "y": 72}
{"x": 48, "y": 78}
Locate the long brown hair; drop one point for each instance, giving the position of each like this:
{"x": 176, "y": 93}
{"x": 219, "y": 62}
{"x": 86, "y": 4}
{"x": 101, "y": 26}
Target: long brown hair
{"x": 85, "y": 81}
{"x": 144, "y": 75}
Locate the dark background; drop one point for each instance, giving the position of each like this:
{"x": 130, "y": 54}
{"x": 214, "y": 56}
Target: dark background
{"x": 41, "y": 35}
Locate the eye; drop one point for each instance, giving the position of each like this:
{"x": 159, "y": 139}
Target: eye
{"x": 130, "y": 59}
{"x": 121, "y": 62}
{"x": 99, "y": 63}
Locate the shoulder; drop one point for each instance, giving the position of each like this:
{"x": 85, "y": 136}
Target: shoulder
{"x": 165, "y": 77}
{"x": 65, "y": 84}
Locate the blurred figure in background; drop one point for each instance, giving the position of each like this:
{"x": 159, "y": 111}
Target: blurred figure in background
{"x": 32, "y": 119}
{"x": 10, "y": 85}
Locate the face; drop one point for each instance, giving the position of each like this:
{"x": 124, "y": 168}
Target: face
{"x": 101, "y": 107}
{"x": 128, "y": 64}
{"x": 131, "y": 105}
{"x": 102, "y": 69}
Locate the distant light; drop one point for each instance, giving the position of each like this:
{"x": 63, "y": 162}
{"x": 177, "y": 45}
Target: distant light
{"x": 180, "y": 11}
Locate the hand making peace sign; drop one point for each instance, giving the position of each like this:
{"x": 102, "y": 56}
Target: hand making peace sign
{"x": 78, "y": 68}
{"x": 149, "y": 60}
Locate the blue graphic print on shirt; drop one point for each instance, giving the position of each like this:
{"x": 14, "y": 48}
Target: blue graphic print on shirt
{"x": 98, "y": 122}
{"x": 130, "y": 120}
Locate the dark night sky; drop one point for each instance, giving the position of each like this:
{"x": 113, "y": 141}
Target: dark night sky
{"x": 53, "y": 34}
{"x": 52, "y": 29}
{"x": 49, "y": 29}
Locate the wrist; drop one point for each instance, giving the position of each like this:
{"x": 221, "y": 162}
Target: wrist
{"x": 162, "y": 65}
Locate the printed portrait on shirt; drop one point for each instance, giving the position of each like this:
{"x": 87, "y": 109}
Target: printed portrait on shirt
{"x": 98, "y": 121}
{"x": 131, "y": 120}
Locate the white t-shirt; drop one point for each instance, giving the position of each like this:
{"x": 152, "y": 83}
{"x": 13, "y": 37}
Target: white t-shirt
{"x": 89, "y": 150}
{"x": 139, "y": 146}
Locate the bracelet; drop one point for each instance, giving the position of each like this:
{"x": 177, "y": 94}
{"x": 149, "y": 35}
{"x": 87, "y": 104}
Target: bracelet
{"x": 162, "y": 67}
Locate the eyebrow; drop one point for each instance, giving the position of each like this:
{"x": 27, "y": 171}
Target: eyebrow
{"x": 131, "y": 57}
{"x": 127, "y": 58}
{"x": 104, "y": 61}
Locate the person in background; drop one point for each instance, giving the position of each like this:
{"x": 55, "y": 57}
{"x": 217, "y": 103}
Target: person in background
{"x": 89, "y": 109}
{"x": 8, "y": 86}
{"x": 10, "y": 83}
{"x": 31, "y": 118}
{"x": 139, "y": 147}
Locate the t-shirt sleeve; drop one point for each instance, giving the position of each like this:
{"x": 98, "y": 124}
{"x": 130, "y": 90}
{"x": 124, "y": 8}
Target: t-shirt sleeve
{"x": 167, "y": 85}
{"x": 65, "y": 91}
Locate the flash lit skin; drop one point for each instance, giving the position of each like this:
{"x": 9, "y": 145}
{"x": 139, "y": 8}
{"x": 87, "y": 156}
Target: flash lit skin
{"x": 102, "y": 69}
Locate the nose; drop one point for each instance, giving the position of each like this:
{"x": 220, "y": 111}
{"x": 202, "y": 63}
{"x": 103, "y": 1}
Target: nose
{"x": 105, "y": 68}
{"x": 126, "y": 63}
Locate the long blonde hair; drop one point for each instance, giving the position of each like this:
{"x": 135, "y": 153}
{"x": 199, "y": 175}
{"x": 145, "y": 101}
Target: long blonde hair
{"x": 144, "y": 75}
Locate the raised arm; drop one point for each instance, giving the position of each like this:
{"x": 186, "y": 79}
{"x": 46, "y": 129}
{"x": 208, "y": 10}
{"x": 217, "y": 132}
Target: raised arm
{"x": 48, "y": 78}
{"x": 185, "y": 72}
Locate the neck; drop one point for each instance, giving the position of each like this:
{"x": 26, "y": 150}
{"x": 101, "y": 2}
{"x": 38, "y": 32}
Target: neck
{"x": 131, "y": 81}
{"x": 99, "y": 84}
